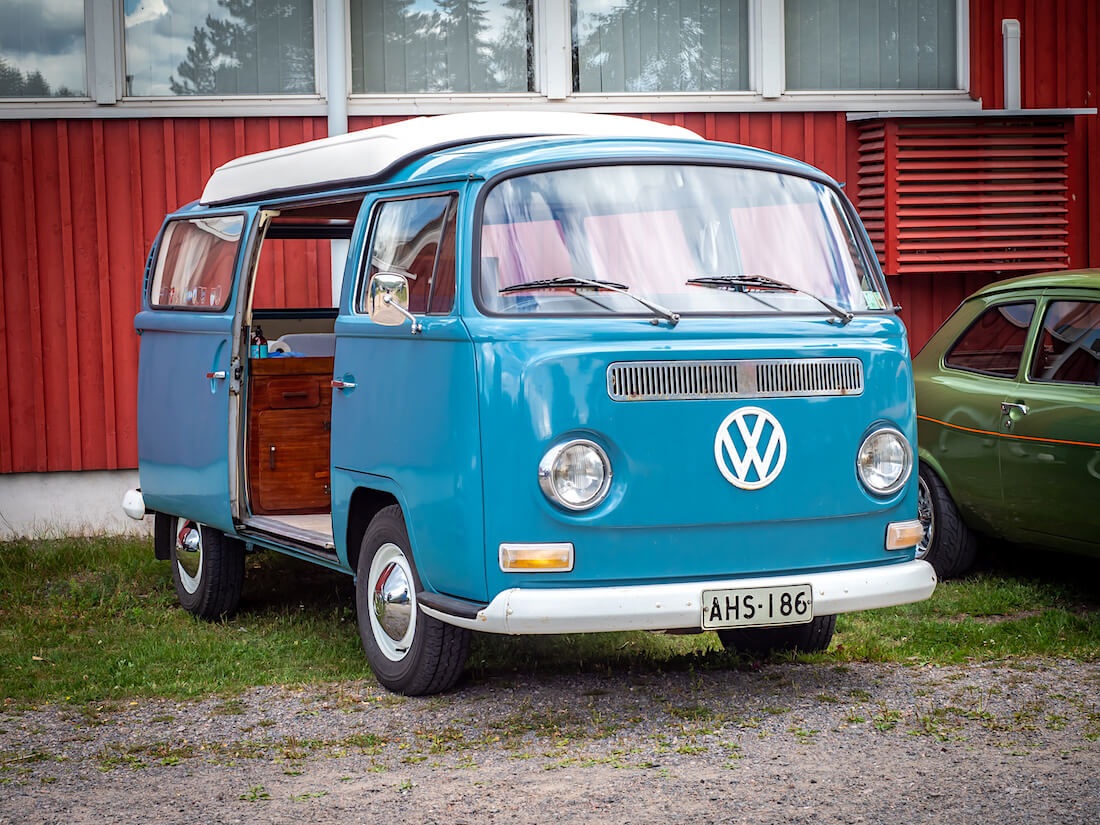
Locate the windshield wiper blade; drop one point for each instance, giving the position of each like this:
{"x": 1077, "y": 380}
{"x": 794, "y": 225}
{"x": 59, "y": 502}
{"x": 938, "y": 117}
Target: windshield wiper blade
{"x": 741, "y": 283}
{"x": 573, "y": 282}
{"x": 564, "y": 282}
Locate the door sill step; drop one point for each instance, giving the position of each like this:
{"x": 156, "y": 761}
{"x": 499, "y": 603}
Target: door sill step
{"x": 309, "y": 531}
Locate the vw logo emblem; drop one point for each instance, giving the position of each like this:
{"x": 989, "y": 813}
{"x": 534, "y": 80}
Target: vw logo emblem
{"x": 750, "y": 448}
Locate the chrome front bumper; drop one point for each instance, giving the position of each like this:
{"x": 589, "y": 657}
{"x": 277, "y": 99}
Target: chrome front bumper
{"x": 674, "y": 606}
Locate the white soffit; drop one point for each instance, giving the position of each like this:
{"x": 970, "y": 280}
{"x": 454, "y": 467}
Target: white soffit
{"x": 365, "y": 154}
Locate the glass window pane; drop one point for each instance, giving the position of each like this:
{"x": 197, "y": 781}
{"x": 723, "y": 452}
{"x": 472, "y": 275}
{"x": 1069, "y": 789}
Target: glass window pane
{"x": 657, "y": 229}
{"x": 994, "y": 344}
{"x": 870, "y": 44}
{"x": 407, "y": 237}
{"x": 42, "y": 48}
{"x": 1069, "y": 348}
{"x": 660, "y": 45}
{"x": 424, "y": 46}
{"x": 219, "y": 47}
{"x": 196, "y": 263}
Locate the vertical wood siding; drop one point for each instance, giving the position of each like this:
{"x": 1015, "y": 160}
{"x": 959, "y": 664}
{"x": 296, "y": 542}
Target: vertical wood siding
{"x": 82, "y": 200}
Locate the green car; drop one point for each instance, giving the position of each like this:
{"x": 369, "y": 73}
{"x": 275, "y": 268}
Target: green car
{"x": 1008, "y": 420}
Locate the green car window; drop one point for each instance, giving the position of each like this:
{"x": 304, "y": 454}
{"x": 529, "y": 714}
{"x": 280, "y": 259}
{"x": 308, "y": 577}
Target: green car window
{"x": 994, "y": 343}
{"x": 1069, "y": 349}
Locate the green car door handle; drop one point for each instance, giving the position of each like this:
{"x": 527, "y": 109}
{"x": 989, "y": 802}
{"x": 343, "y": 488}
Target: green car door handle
{"x": 1007, "y": 407}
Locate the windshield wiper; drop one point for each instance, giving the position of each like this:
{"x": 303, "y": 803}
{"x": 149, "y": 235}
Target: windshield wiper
{"x": 741, "y": 283}
{"x": 573, "y": 282}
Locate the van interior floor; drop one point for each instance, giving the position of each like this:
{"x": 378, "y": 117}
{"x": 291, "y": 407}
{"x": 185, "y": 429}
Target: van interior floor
{"x": 308, "y": 528}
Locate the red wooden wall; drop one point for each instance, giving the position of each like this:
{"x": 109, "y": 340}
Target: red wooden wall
{"x": 81, "y": 201}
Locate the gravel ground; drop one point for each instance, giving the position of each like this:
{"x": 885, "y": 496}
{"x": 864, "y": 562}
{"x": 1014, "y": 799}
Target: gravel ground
{"x": 1007, "y": 743}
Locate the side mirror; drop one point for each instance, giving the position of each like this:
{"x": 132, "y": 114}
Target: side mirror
{"x": 388, "y": 300}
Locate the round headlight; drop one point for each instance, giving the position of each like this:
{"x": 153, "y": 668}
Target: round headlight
{"x": 575, "y": 474}
{"x": 884, "y": 461}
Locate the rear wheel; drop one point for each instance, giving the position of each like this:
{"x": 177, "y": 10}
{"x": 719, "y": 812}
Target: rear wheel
{"x": 948, "y": 544}
{"x": 207, "y": 566}
{"x": 409, "y": 651}
{"x": 812, "y": 637}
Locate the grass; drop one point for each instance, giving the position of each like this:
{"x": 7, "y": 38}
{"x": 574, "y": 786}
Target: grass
{"x": 94, "y": 620}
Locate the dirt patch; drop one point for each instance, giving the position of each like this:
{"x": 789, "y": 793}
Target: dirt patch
{"x": 786, "y": 743}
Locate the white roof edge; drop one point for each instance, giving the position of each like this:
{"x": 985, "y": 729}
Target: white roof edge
{"x": 364, "y": 154}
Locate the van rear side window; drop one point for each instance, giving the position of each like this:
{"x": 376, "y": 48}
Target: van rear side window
{"x": 196, "y": 263}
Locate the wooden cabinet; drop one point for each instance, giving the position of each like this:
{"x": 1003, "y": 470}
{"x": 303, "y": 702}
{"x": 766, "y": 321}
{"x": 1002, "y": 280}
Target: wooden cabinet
{"x": 289, "y": 424}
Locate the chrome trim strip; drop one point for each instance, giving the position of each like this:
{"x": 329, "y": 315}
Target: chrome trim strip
{"x": 757, "y": 378}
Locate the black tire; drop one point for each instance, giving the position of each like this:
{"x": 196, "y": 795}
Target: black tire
{"x": 812, "y": 637}
{"x": 208, "y": 579}
{"x": 948, "y": 545}
{"x": 430, "y": 654}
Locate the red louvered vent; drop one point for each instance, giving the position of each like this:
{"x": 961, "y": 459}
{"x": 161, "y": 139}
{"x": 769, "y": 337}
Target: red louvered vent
{"x": 965, "y": 195}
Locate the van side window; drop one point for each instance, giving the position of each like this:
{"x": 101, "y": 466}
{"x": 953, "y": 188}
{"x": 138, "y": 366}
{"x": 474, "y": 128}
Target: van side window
{"x": 196, "y": 263}
{"x": 415, "y": 237}
{"x": 994, "y": 344}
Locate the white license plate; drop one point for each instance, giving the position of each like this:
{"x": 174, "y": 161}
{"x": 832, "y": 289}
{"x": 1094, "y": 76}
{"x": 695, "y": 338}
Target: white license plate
{"x": 757, "y": 606}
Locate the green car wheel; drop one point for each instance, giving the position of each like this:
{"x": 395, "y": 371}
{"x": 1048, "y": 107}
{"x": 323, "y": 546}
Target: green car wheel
{"x": 948, "y": 544}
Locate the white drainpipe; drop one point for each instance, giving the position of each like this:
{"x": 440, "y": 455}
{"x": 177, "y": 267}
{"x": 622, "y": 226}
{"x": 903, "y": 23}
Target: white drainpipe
{"x": 337, "y": 82}
{"x": 1010, "y": 31}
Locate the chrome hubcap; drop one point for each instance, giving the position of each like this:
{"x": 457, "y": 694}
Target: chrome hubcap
{"x": 393, "y": 602}
{"x": 927, "y": 517}
{"x": 188, "y": 554}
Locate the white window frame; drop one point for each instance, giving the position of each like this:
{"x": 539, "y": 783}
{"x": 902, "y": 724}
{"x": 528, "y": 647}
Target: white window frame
{"x": 105, "y": 61}
{"x": 105, "y": 52}
{"x": 767, "y": 68}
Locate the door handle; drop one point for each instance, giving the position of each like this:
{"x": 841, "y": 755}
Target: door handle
{"x": 220, "y": 375}
{"x": 1008, "y": 406}
{"x": 343, "y": 385}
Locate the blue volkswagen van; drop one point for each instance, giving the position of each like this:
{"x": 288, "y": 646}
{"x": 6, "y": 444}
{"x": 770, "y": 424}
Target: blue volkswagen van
{"x": 584, "y": 373}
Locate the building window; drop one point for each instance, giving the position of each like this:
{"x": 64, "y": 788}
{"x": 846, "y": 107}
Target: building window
{"x": 233, "y": 47}
{"x": 425, "y": 46}
{"x": 870, "y": 44}
{"x": 42, "y": 48}
{"x": 660, "y": 46}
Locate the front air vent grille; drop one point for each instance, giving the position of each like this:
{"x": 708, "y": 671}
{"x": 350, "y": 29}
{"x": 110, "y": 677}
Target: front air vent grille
{"x": 811, "y": 376}
{"x": 697, "y": 380}
{"x": 672, "y": 380}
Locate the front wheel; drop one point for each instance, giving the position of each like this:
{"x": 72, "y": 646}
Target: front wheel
{"x": 207, "y": 566}
{"x": 812, "y": 637}
{"x": 409, "y": 651}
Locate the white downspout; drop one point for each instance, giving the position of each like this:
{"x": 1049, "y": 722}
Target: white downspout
{"x": 1010, "y": 32}
{"x": 337, "y": 84}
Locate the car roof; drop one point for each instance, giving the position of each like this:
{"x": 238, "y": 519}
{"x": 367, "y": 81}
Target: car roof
{"x": 369, "y": 155}
{"x": 1065, "y": 279}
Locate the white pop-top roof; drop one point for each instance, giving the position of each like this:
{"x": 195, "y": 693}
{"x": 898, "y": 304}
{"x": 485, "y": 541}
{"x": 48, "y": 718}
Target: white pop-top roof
{"x": 363, "y": 155}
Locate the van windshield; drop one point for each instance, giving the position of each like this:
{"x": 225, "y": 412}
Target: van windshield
{"x": 692, "y": 239}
